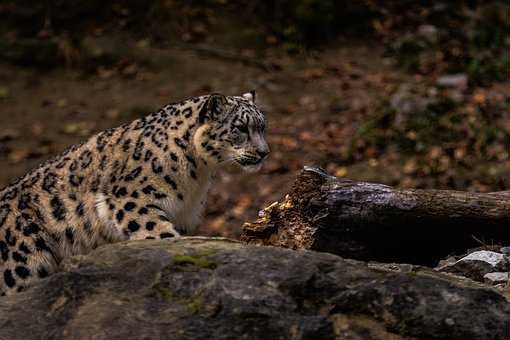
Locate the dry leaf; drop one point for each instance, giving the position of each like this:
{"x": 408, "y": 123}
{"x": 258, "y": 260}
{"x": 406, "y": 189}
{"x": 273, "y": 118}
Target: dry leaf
{"x": 78, "y": 128}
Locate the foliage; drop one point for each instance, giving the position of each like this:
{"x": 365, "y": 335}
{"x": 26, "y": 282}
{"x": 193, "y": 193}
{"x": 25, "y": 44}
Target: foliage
{"x": 457, "y": 37}
{"x": 424, "y": 37}
{"x": 305, "y": 23}
{"x": 445, "y": 139}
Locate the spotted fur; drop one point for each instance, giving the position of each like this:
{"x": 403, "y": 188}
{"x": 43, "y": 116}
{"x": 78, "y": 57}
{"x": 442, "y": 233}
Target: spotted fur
{"x": 146, "y": 179}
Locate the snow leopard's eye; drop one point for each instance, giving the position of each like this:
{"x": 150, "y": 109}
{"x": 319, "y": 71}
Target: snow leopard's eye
{"x": 242, "y": 128}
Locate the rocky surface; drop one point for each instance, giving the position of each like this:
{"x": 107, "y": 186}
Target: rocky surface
{"x": 496, "y": 278}
{"x": 477, "y": 264}
{"x": 220, "y": 289}
{"x": 488, "y": 264}
{"x": 459, "y": 81}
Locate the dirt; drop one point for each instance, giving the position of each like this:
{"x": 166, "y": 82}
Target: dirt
{"x": 314, "y": 104}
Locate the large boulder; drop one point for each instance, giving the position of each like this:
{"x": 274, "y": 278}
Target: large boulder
{"x": 198, "y": 288}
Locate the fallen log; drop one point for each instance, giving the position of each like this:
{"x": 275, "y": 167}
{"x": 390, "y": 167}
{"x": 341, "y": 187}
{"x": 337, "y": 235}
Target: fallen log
{"x": 368, "y": 221}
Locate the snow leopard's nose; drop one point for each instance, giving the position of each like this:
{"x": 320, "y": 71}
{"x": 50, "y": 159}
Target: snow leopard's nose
{"x": 260, "y": 145}
{"x": 263, "y": 152}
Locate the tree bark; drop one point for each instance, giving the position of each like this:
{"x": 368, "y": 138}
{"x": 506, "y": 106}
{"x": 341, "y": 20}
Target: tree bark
{"x": 370, "y": 221}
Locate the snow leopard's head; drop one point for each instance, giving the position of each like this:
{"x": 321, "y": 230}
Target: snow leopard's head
{"x": 233, "y": 129}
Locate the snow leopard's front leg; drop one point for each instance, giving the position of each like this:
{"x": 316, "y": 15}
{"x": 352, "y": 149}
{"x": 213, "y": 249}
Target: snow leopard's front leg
{"x": 134, "y": 219}
{"x": 149, "y": 223}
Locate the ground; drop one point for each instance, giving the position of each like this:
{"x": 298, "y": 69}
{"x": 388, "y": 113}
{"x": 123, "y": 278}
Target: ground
{"x": 316, "y": 103}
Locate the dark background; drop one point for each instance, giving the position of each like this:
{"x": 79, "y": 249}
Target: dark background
{"x": 361, "y": 88}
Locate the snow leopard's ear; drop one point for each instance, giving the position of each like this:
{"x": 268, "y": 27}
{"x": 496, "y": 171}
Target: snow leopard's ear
{"x": 250, "y": 96}
{"x": 213, "y": 109}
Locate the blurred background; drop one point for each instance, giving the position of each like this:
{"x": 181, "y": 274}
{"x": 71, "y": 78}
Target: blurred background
{"x": 413, "y": 94}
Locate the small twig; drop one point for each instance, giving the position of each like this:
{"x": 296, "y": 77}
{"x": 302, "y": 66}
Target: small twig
{"x": 479, "y": 241}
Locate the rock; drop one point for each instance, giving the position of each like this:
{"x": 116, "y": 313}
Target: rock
{"x": 449, "y": 261}
{"x": 477, "y": 264}
{"x": 7, "y": 135}
{"x": 505, "y": 250}
{"x": 218, "y": 289}
{"x": 429, "y": 32}
{"x": 496, "y": 277}
{"x": 491, "y": 257}
{"x": 458, "y": 81}
{"x": 406, "y": 103}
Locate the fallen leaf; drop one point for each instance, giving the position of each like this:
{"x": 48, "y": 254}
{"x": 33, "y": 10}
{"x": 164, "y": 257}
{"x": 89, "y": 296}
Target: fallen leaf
{"x": 410, "y": 166}
{"x": 18, "y": 155}
{"x": 243, "y": 203}
{"x": 341, "y": 171}
{"x": 78, "y": 128}
{"x": 62, "y": 102}
{"x": 4, "y": 92}
{"x": 112, "y": 114}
